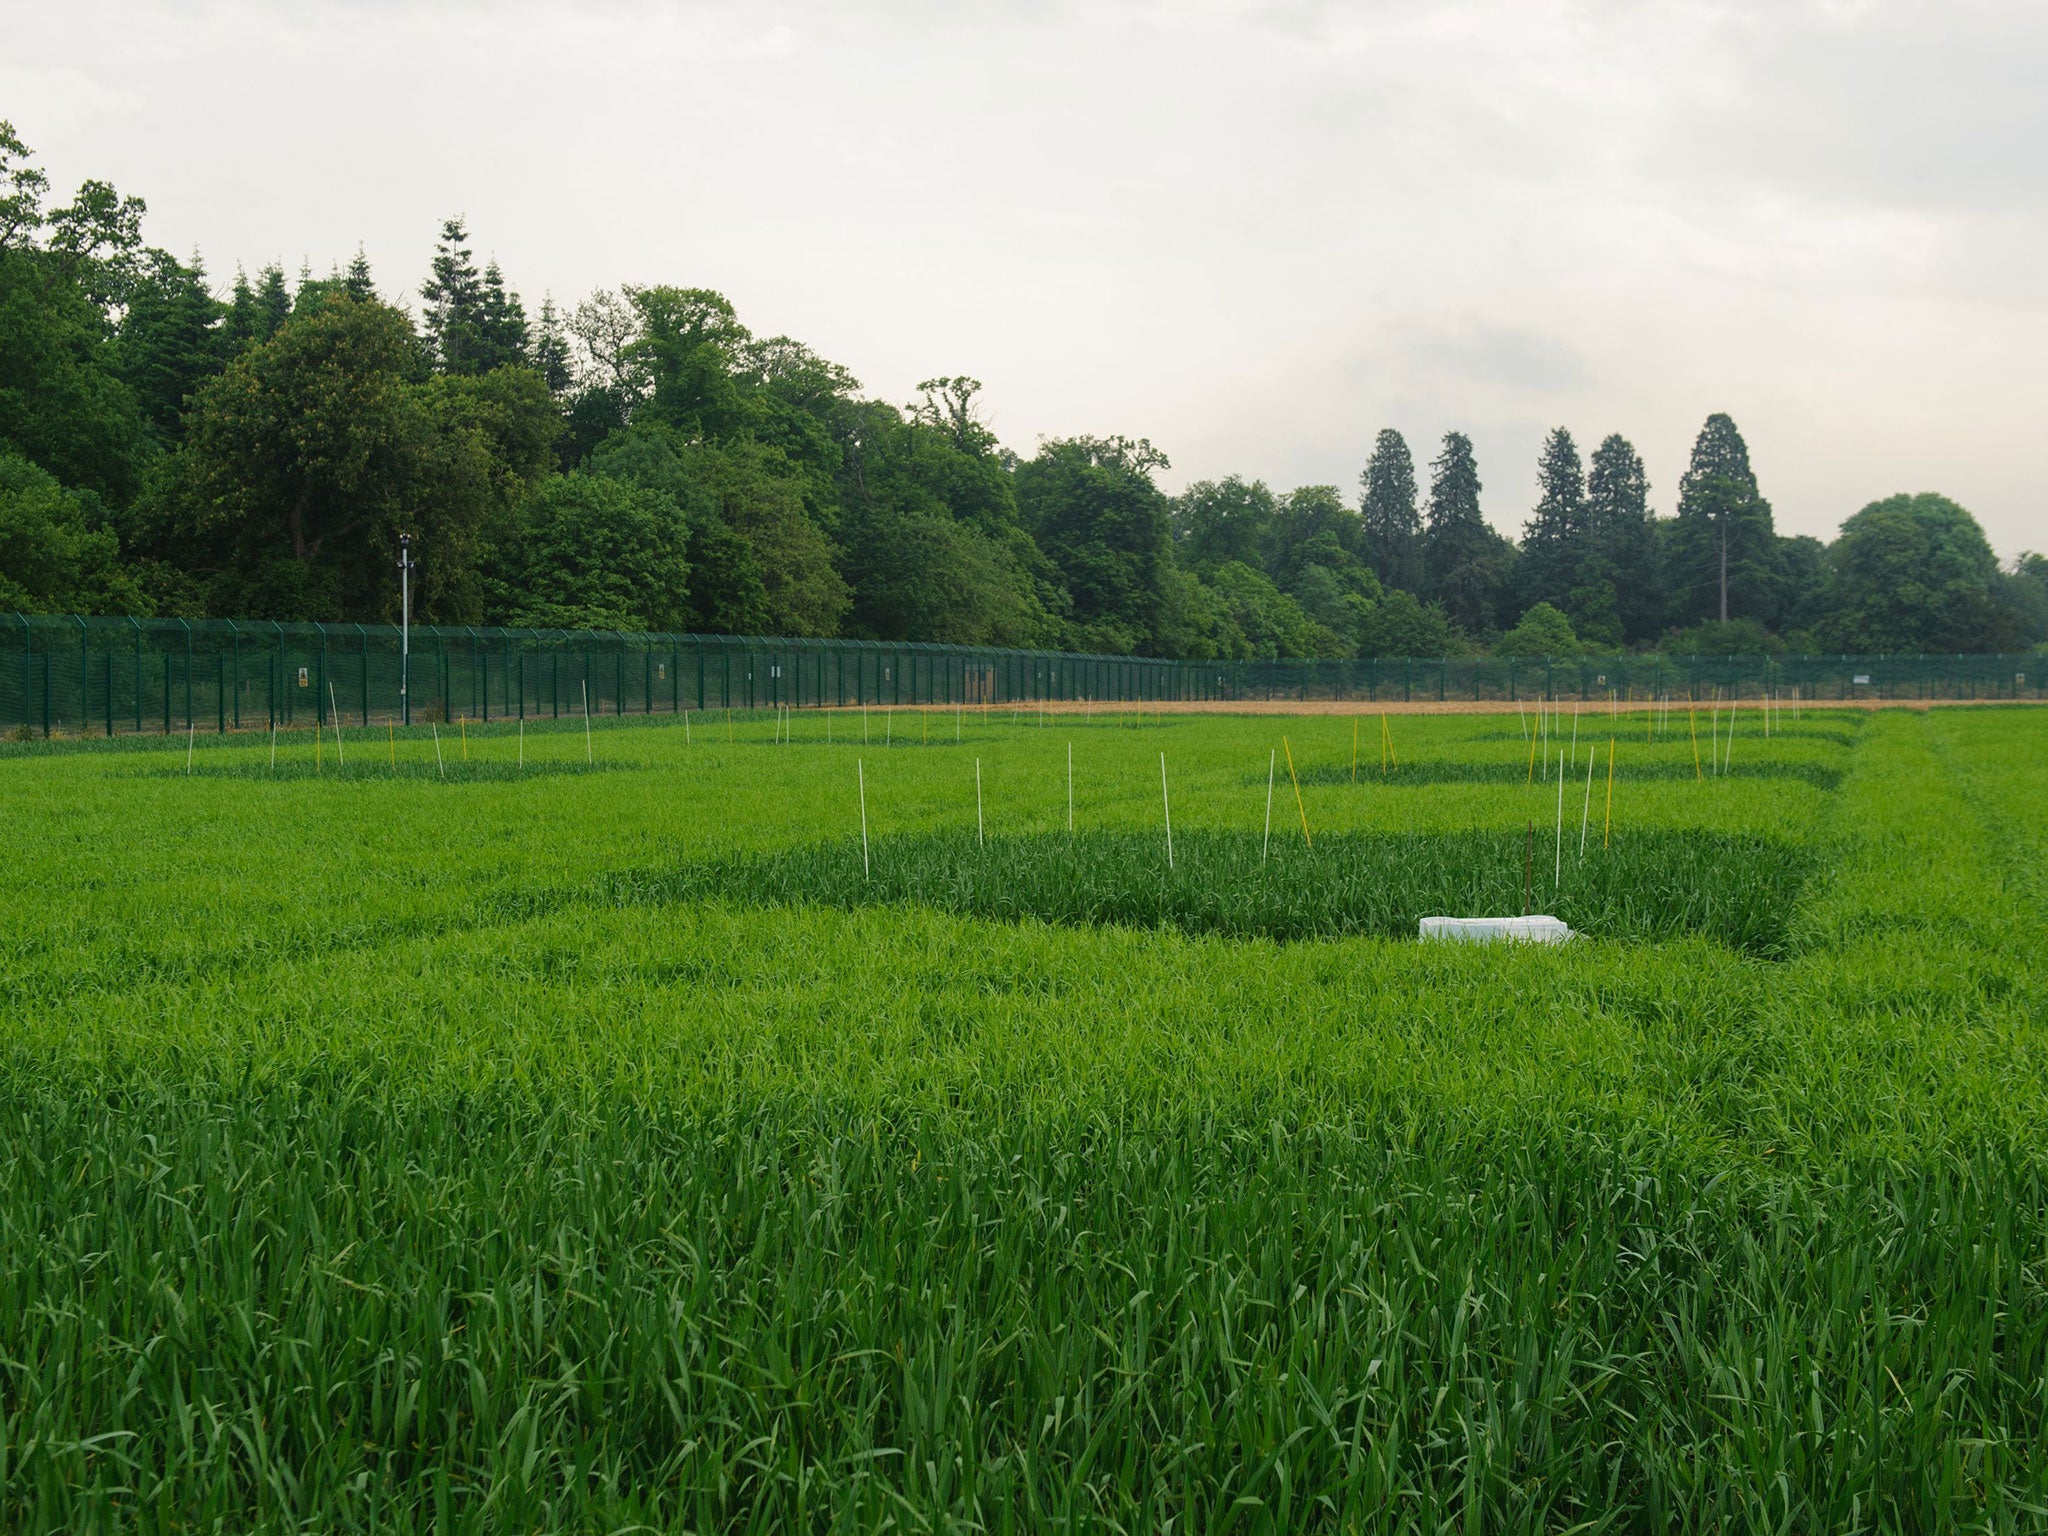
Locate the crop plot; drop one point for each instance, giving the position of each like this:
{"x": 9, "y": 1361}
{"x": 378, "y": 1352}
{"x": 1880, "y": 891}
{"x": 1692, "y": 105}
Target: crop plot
{"x": 1740, "y": 891}
{"x": 809, "y": 1123}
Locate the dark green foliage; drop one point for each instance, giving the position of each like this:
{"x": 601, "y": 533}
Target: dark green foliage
{"x": 1467, "y": 567}
{"x": 1723, "y": 548}
{"x": 1543, "y": 631}
{"x": 591, "y": 552}
{"x": 474, "y": 323}
{"x": 1553, "y": 541}
{"x": 56, "y": 554}
{"x": 307, "y": 457}
{"x": 1915, "y": 574}
{"x": 1392, "y": 526}
{"x": 1092, "y": 507}
{"x": 1617, "y": 595}
{"x": 1646, "y": 886}
{"x": 171, "y": 341}
{"x": 1220, "y": 522}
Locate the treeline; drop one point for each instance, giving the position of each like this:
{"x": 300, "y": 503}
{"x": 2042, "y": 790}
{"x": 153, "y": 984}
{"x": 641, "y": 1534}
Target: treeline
{"x": 641, "y": 460}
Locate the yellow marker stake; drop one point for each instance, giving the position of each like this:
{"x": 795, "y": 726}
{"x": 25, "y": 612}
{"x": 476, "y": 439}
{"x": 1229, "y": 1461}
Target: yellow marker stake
{"x": 1608, "y": 827}
{"x": 1692, "y": 720}
{"x": 1297, "y": 793}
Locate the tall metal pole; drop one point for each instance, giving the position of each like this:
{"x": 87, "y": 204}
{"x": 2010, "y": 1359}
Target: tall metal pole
{"x": 405, "y": 626}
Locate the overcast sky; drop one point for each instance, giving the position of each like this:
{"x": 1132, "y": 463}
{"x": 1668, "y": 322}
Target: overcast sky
{"x": 1254, "y": 234}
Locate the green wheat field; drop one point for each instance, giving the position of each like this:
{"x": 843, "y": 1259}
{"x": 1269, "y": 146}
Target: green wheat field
{"x": 604, "y": 1132}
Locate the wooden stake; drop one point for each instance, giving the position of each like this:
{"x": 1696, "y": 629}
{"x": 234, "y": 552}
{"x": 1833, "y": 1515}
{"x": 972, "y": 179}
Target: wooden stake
{"x": 1528, "y": 867}
{"x": 1296, "y": 778}
{"x": 1557, "y": 872}
{"x": 1607, "y": 829}
{"x": 860, "y": 769}
{"x": 1266, "y": 847}
{"x": 1586, "y": 810}
{"x": 1167, "y": 804}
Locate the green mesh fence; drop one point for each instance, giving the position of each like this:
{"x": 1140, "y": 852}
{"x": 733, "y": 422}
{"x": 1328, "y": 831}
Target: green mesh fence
{"x": 71, "y": 676}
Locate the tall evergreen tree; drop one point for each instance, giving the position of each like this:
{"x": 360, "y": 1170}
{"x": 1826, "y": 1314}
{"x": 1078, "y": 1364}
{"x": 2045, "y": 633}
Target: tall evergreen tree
{"x": 501, "y": 324}
{"x": 1462, "y": 558}
{"x": 356, "y": 282}
{"x": 1553, "y": 538}
{"x": 550, "y": 351}
{"x": 273, "y": 301}
{"x": 1723, "y": 547}
{"x": 1621, "y": 537}
{"x": 454, "y": 297}
{"x": 1393, "y": 528}
{"x": 170, "y": 342}
{"x": 474, "y": 322}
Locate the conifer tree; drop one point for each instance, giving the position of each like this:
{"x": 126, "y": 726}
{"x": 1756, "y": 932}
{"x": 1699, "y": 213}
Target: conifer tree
{"x": 501, "y": 324}
{"x": 1393, "y": 528}
{"x": 1724, "y": 547}
{"x": 273, "y": 301}
{"x": 356, "y": 282}
{"x": 1621, "y": 538}
{"x": 1553, "y": 538}
{"x": 1462, "y": 557}
{"x": 550, "y": 350}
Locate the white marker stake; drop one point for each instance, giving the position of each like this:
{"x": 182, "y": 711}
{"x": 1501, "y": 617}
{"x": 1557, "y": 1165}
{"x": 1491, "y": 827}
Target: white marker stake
{"x": 587, "y": 758}
{"x": 860, "y": 769}
{"x": 1267, "y": 846}
{"x": 863, "y": 722}
{"x": 1167, "y": 803}
{"x": 980, "y": 836}
{"x": 1522, "y": 719}
{"x": 1070, "y": 786}
{"x": 1588, "y": 810}
{"x": 439, "y": 766}
{"x": 1728, "y": 753}
{"x": 340, "y": 757}
{"x": 1575, "y": 740}
{"x": 686, "y": 727}
{"x": 1557, "y": 875}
